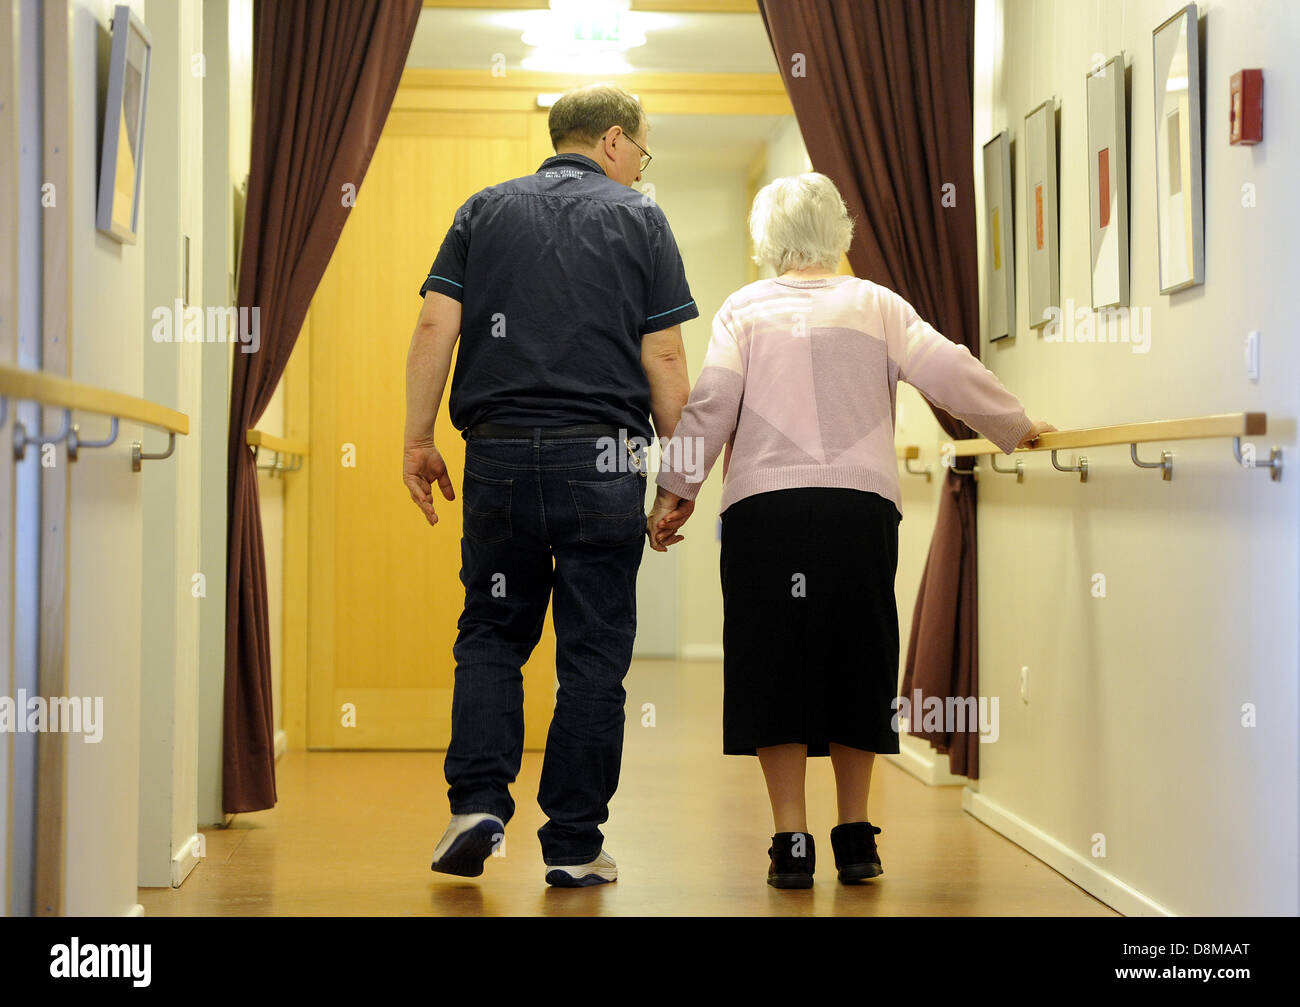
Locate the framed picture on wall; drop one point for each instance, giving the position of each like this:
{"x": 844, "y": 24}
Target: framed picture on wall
{"x": 999, "y": 248}
{"x": 117, "y": 211}
{"x": 1179, "y": 209}
{"x": 1040, "y": 214}
{"x": 1108, "y": 184}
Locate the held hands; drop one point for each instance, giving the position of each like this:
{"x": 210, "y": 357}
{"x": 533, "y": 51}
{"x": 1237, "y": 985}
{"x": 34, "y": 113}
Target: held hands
{"x": 668, "y": 514}
{"x": 1038, "y": 428}
{"x": 422, "y": 466}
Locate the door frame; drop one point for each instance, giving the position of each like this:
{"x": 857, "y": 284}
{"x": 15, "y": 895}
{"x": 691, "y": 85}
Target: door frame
{"x": 424, "y": 98}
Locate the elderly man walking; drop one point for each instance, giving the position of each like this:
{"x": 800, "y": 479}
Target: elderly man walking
{"x": 567, "y": 292}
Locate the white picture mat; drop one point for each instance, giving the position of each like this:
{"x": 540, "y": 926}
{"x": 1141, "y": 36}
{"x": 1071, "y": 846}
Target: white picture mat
{"x": 1040, "y": 214}
{"x": 117, "y": 210}
{"x": 1108, "y": 132}
{"x": 1179, "y": 209}
{"x": 999, "y": 246}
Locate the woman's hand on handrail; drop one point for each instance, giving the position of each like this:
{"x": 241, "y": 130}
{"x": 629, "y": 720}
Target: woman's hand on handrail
{"x": 1030, "y": 438}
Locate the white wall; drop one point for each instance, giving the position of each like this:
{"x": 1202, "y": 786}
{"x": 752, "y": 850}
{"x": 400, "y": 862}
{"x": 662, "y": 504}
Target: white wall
{"x": 708, "y": 209}
{"x": 786, "y": 155}
{"x": 105, "y": 517}
{"x": 707, "y": 212}
{"x": 170, "y": 610}
{"x": 27, "y": 474}
{"x": 138, "y": 538}
{"x": 188, "y": 500}
{"x": 1133, "y": 727}
{"x": 227, "y": 123}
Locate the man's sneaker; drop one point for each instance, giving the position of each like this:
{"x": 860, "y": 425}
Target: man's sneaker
{"x": 600, "y": 871}
{"x": 794, "y": 859}
{"x": 468, "y": 841}
{"x": 856, "y": 858}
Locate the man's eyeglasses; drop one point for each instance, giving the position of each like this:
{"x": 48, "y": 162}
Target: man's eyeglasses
{"x": 645, "y": 155}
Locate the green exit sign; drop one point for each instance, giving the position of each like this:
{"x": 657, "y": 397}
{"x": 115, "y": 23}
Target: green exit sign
{"x": 597, "y": 29}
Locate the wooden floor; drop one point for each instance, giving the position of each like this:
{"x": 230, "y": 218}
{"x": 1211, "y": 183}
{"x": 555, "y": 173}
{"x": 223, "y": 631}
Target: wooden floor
{"x": 354, "y": 832}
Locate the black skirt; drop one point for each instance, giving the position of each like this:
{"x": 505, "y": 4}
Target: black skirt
{"x": 810, "y": 625}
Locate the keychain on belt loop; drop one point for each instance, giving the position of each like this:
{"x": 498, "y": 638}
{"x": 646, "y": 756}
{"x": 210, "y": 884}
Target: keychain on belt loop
{"x": 631, "y": 450}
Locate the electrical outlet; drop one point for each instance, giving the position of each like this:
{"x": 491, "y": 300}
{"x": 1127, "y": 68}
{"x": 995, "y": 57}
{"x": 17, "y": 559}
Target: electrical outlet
{"x": 1252, "y": 355}
{"x": 1024, "y": 683}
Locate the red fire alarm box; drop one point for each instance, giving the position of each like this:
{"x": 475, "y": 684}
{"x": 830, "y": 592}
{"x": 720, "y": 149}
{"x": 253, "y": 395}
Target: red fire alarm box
{"x": 1246, "y": 107}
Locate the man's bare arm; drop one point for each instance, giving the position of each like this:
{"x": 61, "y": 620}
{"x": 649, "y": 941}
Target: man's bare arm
{"x": 664, "y": 358}
{"x": 428, "y": 364}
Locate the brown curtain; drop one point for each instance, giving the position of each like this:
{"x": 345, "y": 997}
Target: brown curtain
{"x": 883, "y": 93}
{"x": 324, "y": 77}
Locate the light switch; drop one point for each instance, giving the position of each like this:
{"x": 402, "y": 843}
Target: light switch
{"x": 1252, "y": 355}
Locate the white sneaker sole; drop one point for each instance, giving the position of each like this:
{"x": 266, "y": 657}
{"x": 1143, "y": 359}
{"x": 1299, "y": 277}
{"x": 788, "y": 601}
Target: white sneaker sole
{"x": 600, "y": 871}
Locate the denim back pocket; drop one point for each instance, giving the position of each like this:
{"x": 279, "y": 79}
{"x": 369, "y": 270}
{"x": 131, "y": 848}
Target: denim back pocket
{"x": 487, "y": 507}
{"x": 610, "y": 511}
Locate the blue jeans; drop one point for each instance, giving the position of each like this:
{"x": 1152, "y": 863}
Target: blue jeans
{"x": 544, "y": 523}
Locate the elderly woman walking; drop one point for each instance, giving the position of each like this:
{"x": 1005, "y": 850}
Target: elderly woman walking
{"x": 798, "y": 385}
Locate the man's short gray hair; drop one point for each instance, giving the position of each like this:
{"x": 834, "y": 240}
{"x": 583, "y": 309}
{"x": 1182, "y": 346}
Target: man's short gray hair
{"x": 800, "y": 222}
{"x": 582, "y": 116}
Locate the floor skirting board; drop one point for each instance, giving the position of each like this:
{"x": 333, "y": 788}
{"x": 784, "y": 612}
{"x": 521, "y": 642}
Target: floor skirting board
{"x": 186, "y": 859}
{"x": 1083, "y": 871}
{"x": 932, "y": 772}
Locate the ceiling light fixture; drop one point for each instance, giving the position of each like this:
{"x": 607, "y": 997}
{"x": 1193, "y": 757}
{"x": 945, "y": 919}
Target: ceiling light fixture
{"x": 583, "y": 37}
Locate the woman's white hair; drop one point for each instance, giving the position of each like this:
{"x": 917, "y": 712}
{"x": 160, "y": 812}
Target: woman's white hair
{"x": 800, "y": 222}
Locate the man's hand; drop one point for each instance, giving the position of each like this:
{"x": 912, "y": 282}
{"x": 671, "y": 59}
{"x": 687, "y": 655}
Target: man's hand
{"x": 422, "y": 466}
{"x": 667, "y": 515}
{"x": 428, "y": 362}
{"x": 1038, "y": 428}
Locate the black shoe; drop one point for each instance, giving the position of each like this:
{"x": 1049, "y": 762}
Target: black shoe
{"x": 856, "y": 858}
{"x": 793, "y": 860}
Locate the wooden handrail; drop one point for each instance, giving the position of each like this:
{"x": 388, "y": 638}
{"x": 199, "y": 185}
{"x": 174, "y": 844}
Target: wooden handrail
{"x": 282, "y": 445}
{"x": 64, "y": 393}
{"x": 908, "y": 453}
{"x": 1192, "y": 428}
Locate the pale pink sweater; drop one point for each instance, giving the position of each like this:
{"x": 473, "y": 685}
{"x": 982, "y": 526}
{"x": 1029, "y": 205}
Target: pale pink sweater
{"x": 799, "y": 385}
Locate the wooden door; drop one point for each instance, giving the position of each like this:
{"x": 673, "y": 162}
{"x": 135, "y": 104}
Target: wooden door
{"x": 384, "y": 590}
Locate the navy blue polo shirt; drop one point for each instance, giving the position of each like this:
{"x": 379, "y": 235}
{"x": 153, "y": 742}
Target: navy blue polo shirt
{"x": 559, "y": 274}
